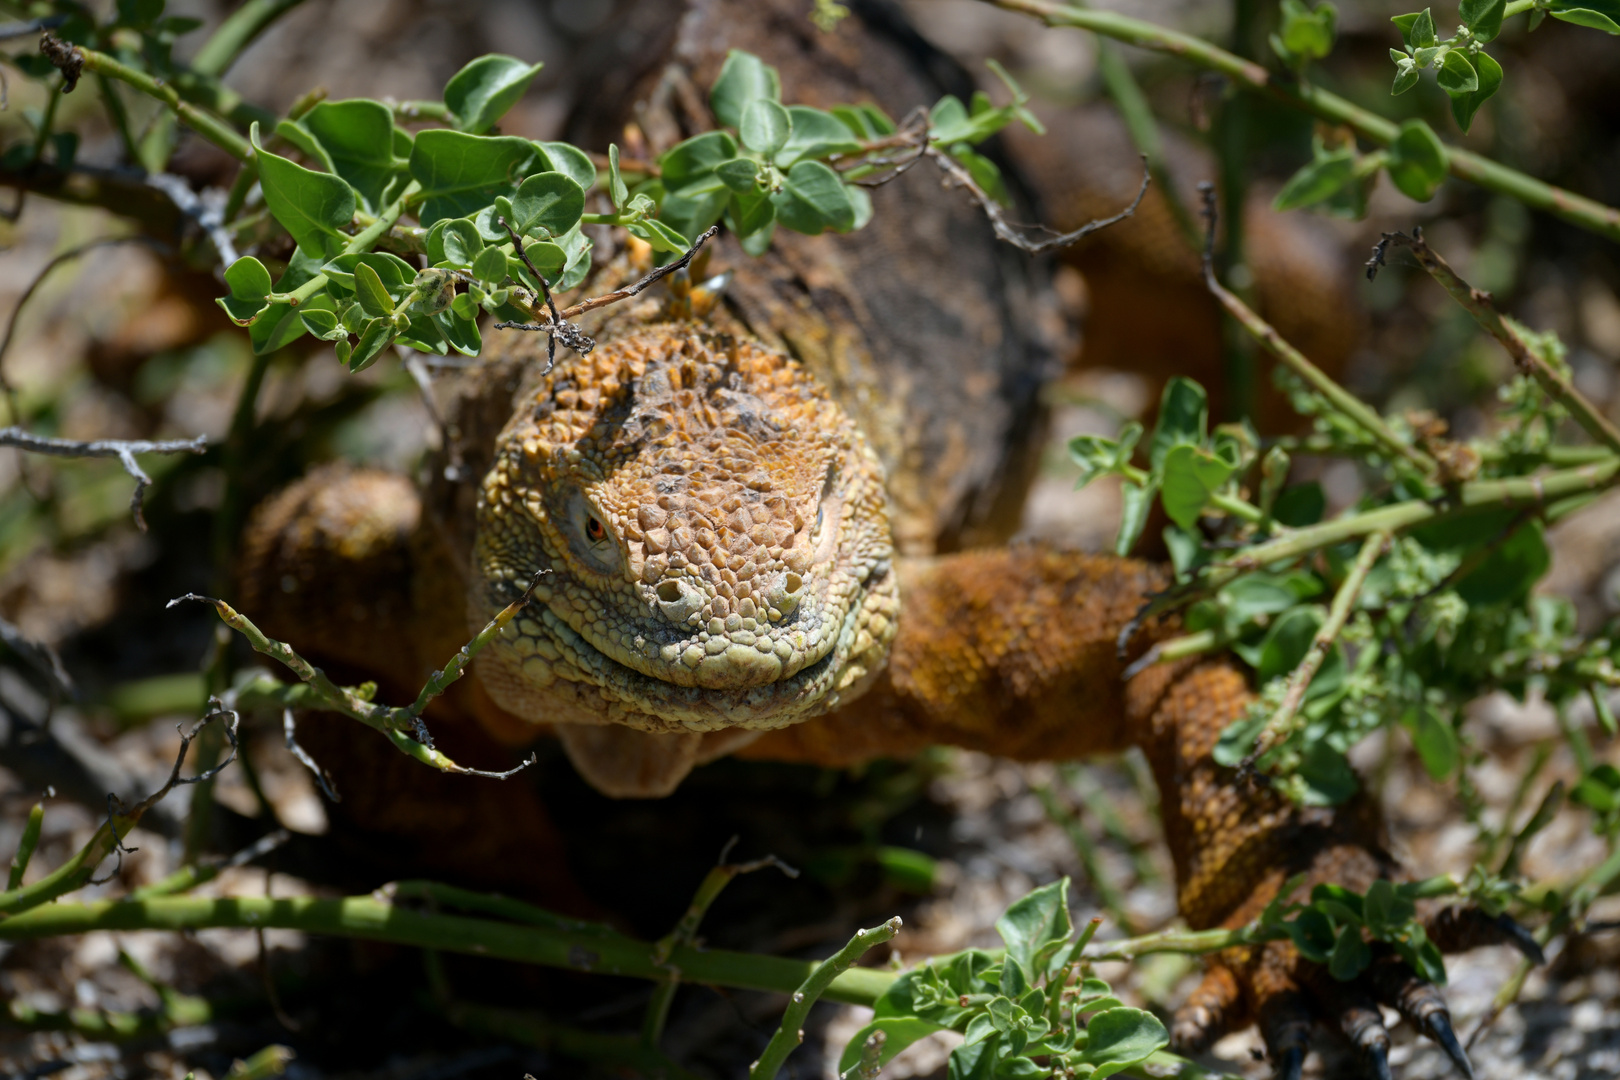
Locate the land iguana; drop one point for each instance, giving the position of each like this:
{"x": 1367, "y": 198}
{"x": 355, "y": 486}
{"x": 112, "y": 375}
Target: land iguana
{"x": 759, "y": 527}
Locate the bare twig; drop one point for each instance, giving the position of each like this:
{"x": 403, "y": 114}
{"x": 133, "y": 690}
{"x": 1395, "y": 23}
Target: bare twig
{"x": 398, "y": 723}
{"x": 1282, "y": 723}
{"x": 1009, "y": 233}
{"x": 122, "y": 449}
{"x": 1295, "y": 361}
{"x": 559, "y": 325}
{"x": 289, "y": 729}
{"x": 685, "y": 933}
{"x": 1478, "y": 303}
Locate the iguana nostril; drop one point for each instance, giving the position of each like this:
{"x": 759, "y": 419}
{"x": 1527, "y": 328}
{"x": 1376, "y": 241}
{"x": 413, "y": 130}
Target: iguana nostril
{"x": 669, "y": 592}
{"x": 792, "y": 583}
{"x": 784, "y": 594}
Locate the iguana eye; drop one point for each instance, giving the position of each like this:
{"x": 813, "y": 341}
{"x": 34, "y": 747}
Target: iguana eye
{"x": 587, "y": 533}
{"x": 594, "y": 531}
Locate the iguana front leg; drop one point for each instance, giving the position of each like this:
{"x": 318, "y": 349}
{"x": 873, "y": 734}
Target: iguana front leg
{"x": 1013, "y": 652}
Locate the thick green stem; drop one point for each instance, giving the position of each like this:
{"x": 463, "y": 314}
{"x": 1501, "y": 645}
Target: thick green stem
{"x": 376, "y": 920}
{"x": 211, "y": 127}
{"x": 1587, "y": 213}
{"x": 26, "y": 846}
{"x": 790, "y": 1033}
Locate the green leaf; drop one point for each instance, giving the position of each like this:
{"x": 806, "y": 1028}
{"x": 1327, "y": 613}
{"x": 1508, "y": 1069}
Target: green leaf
{"x": 368, "y": 288}
{"x": 815, "y": 134}
{"x": 1422, "y": 33}
{"x": 249, "y": 283}
{"x": 899, "y": 1031}
{"x": 139, "y": 14}
{"x": 744, "y": 78}
{"x": 489, "y": 266}
{"x": 1300, "y": 505}
{"x": 974, "y": 1060}
{"x": 1255, "y": 595}
{"x": 311, "y": 206}
{"x": 660, "y": 236}
{"x": 1457, "y": 75}
{"x": 1483, "y": 17}
{"x": 1034, "y": 922}
{"x": 1464, "y": 106}
{"x": 373, "y": 340}
{"x": 985, "y": 172}
{"x": 813, "y": 199}
{"x": 1406, "y": 77}
{"x": 572, "y": 162}
{"x": 548, "y": 258}
{"x": 741, "y": 175}
{"x": 1117, "y": 1039}
{"x": 1137, "y": 502}
{"x": 1183, "y": 418}
{"x": 765, "y": 126}
{"x": 1307, "y": 34}
{"x": 479, "y": 94}
{"x": 1350, "y": 955}
{"x": 1587, "y": 14}
{"x": 688, "y": 167}
{"x": 454, "y": 242}
{"x": 1436, "y": 741}
{"x": 461, "y": 174}
{"x": 549, "y": 201}
{"x": 577, "y": 246}
{"x": 1098, "y": 456}
{"x": 617, "y": 191}
{"x": 1510, "y": 571}
{"x": 461, "y": 331}
{"x": 323, "y": 324}
{"x": 356, "y": 139}
{"x": 1319, "y": 180}
{"x": 1191, "y": 476}
{"x": 1417, "y": 161}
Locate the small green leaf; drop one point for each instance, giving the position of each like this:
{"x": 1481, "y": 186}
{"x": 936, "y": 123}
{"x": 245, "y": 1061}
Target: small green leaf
{"x": 688, "y": 167}
{"x": 1436, "y": 742}
{"x": 1406, "y": 77}
{"x": 744, "y": 78}
{"x": 489, "y": 266}
{"x": 660, "y": 236}
{"x": 323, "y": 324}
{"x": 1417, "y": 161}
{"x": 1483, "y": 17}
{"x": 985, "y": 172}
{"x": 1464, "y": 106}
{"x": 1510, "y": 571}
{"x": 899, "y": 1033}
{"x": 373, "y": 340}
{"x": 617, "y": 191}
{"x": 750, "y": 215}
{"x": 1423, "y": 35}
{"x": 479, "y": 94}
{"x": 454, "y": 242}
{"x": 1287, "y": 641}
{"x": 1457, "y": 75}
{"x": 461, "y": 174}
{"x": 368, "y": 288}
{"x": 1183, "y": 418}
{"x": 312, "y": 206}
{"x": 813, "y": 199}
{"x": 549, "y": 201}
{"x": 765, "y": 126}
{"x": 1300, "y": 505}
{"x": 1587, "y": 14}
{"x": 1137, "y": 502}
{"x": 249, "y": 283}
{"x": 815, "y": 134}
{"x": 1350, "y": 955}
{"x": 1117, "y": 1039}
{"x": 548, "y": 258}
{"x": 1033, "y": 922}
{"x": 1319, "y": 180}
{"x": 1307, "y": 34}
{"x": 741, "y": 175}
{"x": 460, "y": 331}
{"x": 1191, "y": 476}
{"x": 572, "y": 162}
{"x": 1098, "y": 456}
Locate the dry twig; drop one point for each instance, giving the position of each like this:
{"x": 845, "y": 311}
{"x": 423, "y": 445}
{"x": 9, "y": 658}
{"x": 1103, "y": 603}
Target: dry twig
{"x": 122, "y": 449}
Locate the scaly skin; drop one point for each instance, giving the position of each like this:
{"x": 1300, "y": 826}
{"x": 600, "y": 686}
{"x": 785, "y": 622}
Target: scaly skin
{"x": 736, "y": 471}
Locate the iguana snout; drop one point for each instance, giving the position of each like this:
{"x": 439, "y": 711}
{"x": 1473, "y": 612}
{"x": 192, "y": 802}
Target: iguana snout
{"x": 715, "y": 535}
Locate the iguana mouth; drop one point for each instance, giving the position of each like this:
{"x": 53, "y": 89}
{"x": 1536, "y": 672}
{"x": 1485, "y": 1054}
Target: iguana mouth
{"x": 717, "y": 533}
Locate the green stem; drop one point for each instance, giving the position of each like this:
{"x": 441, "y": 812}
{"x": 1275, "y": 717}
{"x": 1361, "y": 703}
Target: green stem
{"x": 1192, "y": 942}
{"x": 790, "y": 1033}
{"x": 422, "y": 110}
{"x": 362, "y": 241}
{"x": 1586, "y": 213}
{"x": 46, "y": 122}
{"x": 1469, "y": 498}
{"x": 372, "y": 919}
{"x": 26, "y": 846}
{"x": 1283, "y": 722}
{"x": 237, "y": 33}
{"x": 211, "y": 127}
{"x": 71, "y": 875}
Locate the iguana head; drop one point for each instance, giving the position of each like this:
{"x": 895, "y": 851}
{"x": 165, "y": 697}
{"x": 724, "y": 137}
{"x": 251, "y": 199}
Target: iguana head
{"x": 716, "y": 536}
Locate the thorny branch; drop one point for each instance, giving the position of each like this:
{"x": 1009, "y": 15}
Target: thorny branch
{"x": 122, "y": 449}
{"x": 1478, "y": 303}
{"x": 559, "y": 326}
{"x": 398, "y": 723}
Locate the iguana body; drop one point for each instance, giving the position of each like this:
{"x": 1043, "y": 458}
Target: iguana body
{"x": 739, "y": 522}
